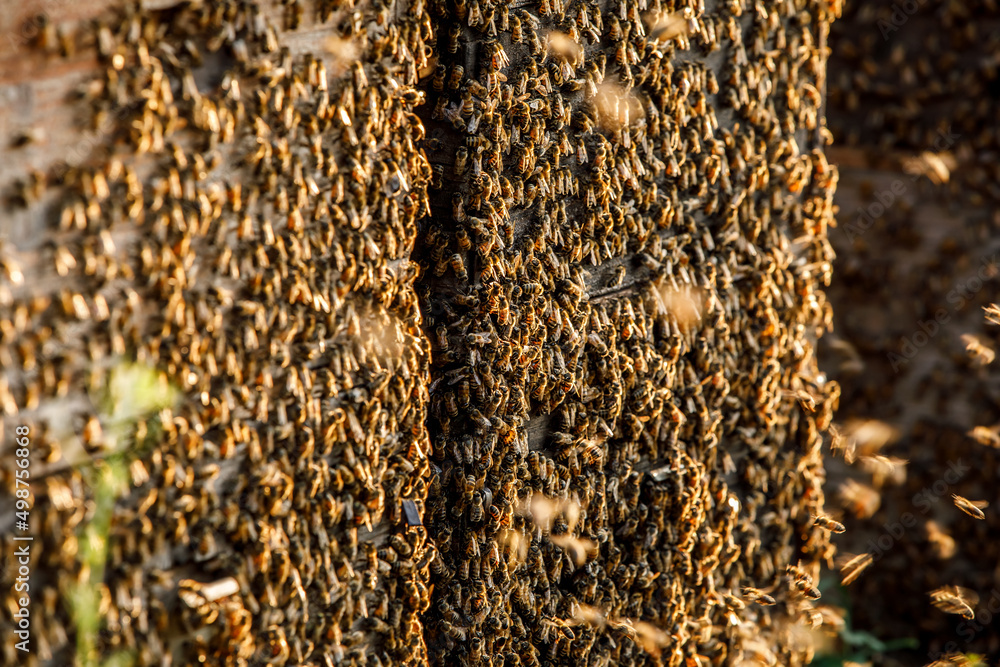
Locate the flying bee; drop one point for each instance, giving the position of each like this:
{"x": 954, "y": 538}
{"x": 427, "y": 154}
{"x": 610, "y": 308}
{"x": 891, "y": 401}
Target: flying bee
{"x": 980, "y": 353}
{"x": 827, "y": 523}
{"x": 842, "y": 443}
{"x": 862, "y": 500}
{"x": 852, "y": 568}
{"x": 985, "y": 435}
{"x": 802, "y": 581}
{"x": 973, "y": 508}
{"x": 955, "y": 600}
{"x": 992, "y": 313}
{"x": 943, "y": 543}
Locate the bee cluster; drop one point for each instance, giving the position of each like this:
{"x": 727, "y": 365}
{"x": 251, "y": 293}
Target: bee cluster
{"x": 624, "y": 258}
{"x": 243, "y": 227}
{"x": 912, "y": 96}
{"x": 569, "y": 327}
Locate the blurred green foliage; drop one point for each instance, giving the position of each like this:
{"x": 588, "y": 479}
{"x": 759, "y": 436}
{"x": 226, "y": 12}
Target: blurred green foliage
{"x": 133, "y": 392}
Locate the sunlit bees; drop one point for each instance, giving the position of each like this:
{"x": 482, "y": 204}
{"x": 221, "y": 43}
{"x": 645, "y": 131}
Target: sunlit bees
{"x": 406, "y": 381}
{"x": 303, "y": 535}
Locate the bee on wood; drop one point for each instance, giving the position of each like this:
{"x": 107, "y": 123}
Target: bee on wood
{"x": 452, "y": 44}
{"x": 461, "y": 160}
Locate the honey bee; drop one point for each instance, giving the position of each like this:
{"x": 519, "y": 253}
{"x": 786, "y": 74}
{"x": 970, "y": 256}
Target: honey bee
{"x": 452, "y": 44}
{"x": 461, "y": 160}
{"x": 992, "y": 313}
{"x": 985, "y": 435}
{"x": 827, "y": 523}
{"x": 464, "y": 242}
{"x": 516, "y": 31}
{"x": 758, "y": 596}
{"x": 973, "y": 508}
{"x": 455, "y": 77}
{"x": 955, "y": 600}
{"x": 458, "y": 633}
{"x": 852, "y": 568}
{"x": 863, "y": 501}
{"x": 458, "y": 266}
{"x": 803, "y": 582}
{"x": 617, "y": 277}
{"x": 592, "y": 454}
{"x": 944, "y": 544}
{"x": 437, "y": 82}
{"x": 733, "y": 602}
{"x": 981, "y": 353}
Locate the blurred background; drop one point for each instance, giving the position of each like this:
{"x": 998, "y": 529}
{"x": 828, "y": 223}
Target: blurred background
{"x": 913, "y": 102}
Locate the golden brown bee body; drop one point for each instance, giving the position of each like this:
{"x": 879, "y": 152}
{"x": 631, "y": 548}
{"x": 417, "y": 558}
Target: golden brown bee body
{"x": 970, "y": 507}
{"x": 461, "y": 160}
{"x": 827, "y": 523}
{"x": 458, "y": 266}
{"x": 853, "y": 567}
